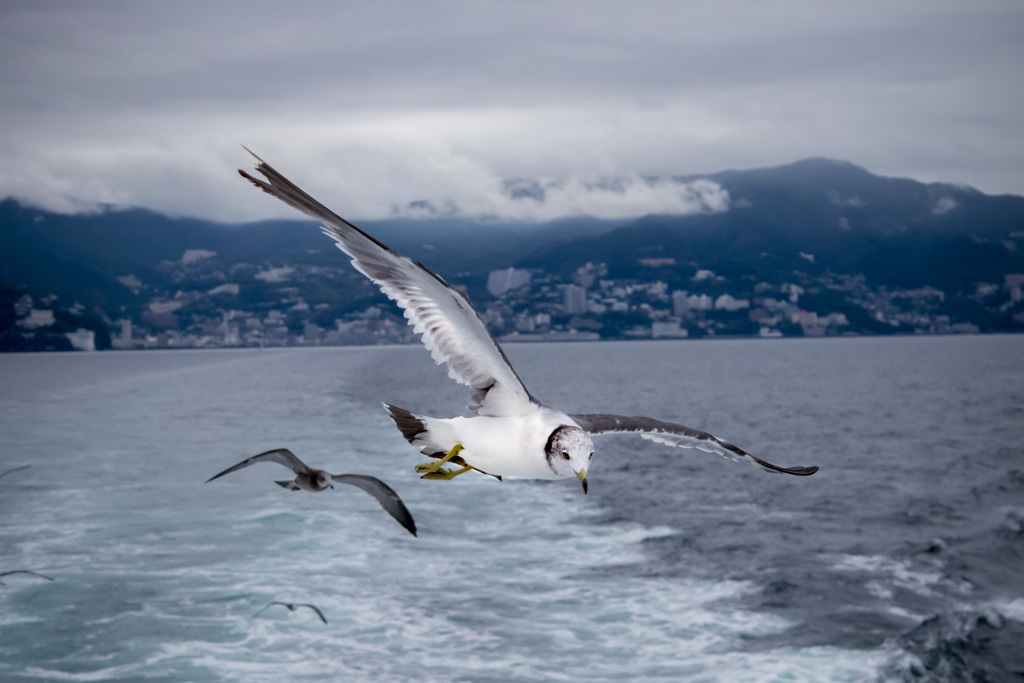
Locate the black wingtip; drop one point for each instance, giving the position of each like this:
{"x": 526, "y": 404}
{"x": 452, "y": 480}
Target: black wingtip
{"x": 795, "y": 471}
{"x": 404, "y": 517}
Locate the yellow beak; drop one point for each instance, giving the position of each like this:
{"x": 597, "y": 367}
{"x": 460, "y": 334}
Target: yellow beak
{"x": 582, "y": 476}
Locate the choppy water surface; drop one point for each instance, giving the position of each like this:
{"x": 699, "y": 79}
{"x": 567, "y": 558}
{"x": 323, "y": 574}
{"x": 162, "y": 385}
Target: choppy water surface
{"x": 902, "y": 559}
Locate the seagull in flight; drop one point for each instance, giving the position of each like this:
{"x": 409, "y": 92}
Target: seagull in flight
{"x": 22, "y": 571}
{"x": 291, "y": 608}
{"x": 511, "y": 433}
{"x": 15, "y": 469}
{"x": 309, "y": 479}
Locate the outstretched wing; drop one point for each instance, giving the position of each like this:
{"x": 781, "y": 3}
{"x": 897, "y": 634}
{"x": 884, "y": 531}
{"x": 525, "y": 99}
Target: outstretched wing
{"x": 673, "y": 434}
{"x": 443, "y": 317}
{"x": 25, "y": 571}
{"x": 315, "y": 609}
{"x": 282, "y": 456}
{"x": 16, "y": 469}
{"x": 269, "y": 605}
{"x": 383, "y": 494}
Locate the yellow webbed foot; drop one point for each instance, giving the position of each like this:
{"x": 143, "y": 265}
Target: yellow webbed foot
{"x": 446, "y": 474}
{"x": 435, "y": 469}
{"x": 436, "y": 464}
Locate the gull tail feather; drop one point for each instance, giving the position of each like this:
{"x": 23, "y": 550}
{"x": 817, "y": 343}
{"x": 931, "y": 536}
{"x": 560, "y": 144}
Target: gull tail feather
{"x": 411, "y": 426}
{"x": 428, "y": 433}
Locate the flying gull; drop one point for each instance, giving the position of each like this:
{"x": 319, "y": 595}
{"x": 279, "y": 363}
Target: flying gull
{"x": 16, "y": 469}
{"x": 291, "y": 608}
{"x": 22, "y": 571}
{"x": 309, "y": 479}
{"x": 512, "y": 433}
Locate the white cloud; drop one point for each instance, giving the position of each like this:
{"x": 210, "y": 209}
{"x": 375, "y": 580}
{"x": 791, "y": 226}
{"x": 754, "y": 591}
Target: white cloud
{"x": 375, "y": 105}
{"x": 839, "y": 200}
{"x": 621, "y": 198}
{"x": 944, "y": 205}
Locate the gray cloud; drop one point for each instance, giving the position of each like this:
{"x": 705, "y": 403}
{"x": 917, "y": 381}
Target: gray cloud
{"x": 374, "y": 105}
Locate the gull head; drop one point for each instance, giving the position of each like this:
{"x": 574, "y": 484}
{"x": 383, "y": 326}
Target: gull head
{"x": 569, "y": 450}
{"x": 323, "y": 480}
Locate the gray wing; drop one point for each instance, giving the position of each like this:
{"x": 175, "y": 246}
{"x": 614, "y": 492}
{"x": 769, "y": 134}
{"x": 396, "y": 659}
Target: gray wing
{"x": 16, "y": 469}
{"x": 673, "y": 434}
{"x": 282, "y": 456}
{"x": 443, "y": 317}
{"x": 25, "y": 571}
{"x": 383, "y": 494}
{"x": 315, "y": 609}
{"x": 268, "y": 607}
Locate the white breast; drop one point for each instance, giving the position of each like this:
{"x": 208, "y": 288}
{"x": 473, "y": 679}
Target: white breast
{"x": 508, "y": 446}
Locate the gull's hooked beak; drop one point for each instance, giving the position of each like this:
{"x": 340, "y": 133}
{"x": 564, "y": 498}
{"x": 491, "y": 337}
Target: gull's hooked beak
{"x": 582, "y": 476}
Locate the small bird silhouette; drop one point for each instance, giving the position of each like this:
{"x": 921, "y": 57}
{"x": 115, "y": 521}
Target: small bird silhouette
{"x": 4, "y": 474}
{"x": 291, "y": 608}
{"x": 22, "y": 571}
{"x": 309, "y": 479}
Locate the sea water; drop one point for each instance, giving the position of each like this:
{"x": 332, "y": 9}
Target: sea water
{"x": 902, "y": 559}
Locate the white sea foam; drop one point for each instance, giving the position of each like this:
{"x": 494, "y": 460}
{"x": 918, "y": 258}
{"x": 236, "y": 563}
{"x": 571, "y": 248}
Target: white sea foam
{"x": 900, "y": 573}
{"x": 1012, "y": 609}
{"x": 158, "y": 575}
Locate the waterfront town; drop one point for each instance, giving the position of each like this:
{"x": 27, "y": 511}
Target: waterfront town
{"x": 521, "y": 305}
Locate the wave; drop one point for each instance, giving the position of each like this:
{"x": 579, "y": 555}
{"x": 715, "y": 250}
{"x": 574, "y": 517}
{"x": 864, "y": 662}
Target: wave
{"x": 971, "y": 645}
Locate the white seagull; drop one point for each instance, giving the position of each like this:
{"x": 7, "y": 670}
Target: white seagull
{"x": 512, "y": 433}
{"x": 309, "y": 479}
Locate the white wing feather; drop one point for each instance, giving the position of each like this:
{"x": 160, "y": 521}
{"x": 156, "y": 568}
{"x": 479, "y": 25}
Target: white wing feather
{"x": 442, "y": 316}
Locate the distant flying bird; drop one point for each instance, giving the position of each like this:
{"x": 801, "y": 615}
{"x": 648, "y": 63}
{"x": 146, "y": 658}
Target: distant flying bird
{"x": 309, "y": 479}
{"x": 291, "y": 608}
{"x": 512, "y": 434}
{"x": 22, "y": 571}
{"x": 16, "y": 469}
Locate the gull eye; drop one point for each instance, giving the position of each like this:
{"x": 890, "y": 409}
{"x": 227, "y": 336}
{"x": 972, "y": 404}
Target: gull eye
{"x": 565, "y": 455}
{"x": 591, "y": 455}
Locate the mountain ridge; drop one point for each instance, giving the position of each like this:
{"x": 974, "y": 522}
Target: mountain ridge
{"x": 804, "y": 223}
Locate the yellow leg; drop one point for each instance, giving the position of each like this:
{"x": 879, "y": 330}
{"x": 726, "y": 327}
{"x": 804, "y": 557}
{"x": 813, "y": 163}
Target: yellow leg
{"x": 435, "y": 470}
{"x": 446, "y": 474}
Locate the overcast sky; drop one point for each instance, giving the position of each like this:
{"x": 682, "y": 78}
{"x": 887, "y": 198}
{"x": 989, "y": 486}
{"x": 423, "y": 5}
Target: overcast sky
{"x": 372, "y": 105}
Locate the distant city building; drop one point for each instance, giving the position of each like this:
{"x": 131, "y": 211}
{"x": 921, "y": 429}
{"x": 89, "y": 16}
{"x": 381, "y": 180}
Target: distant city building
{"x": 228, "y": 288}
{"x": 668, "y": 329}
{"x": 37, "y": 318}
{"x": 507, "y": 279}
{"x": 657, "y": 289}
{"x": 575, "y": 300}
{"x": 23, "y": 305}
{"x": 82, "y": 340}
{"x": 311, "y": 333}
{"x": 680, "y": 303}
{"x": 727, "y": 302}
{"x": 1015, "y": 285}
{"x": 587, "y": 274}
{"x": 124, "y": 339}
{"x": 657, "y": 262}
{"x": 698, "y": 302}
{"x": 274, "y": 274}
